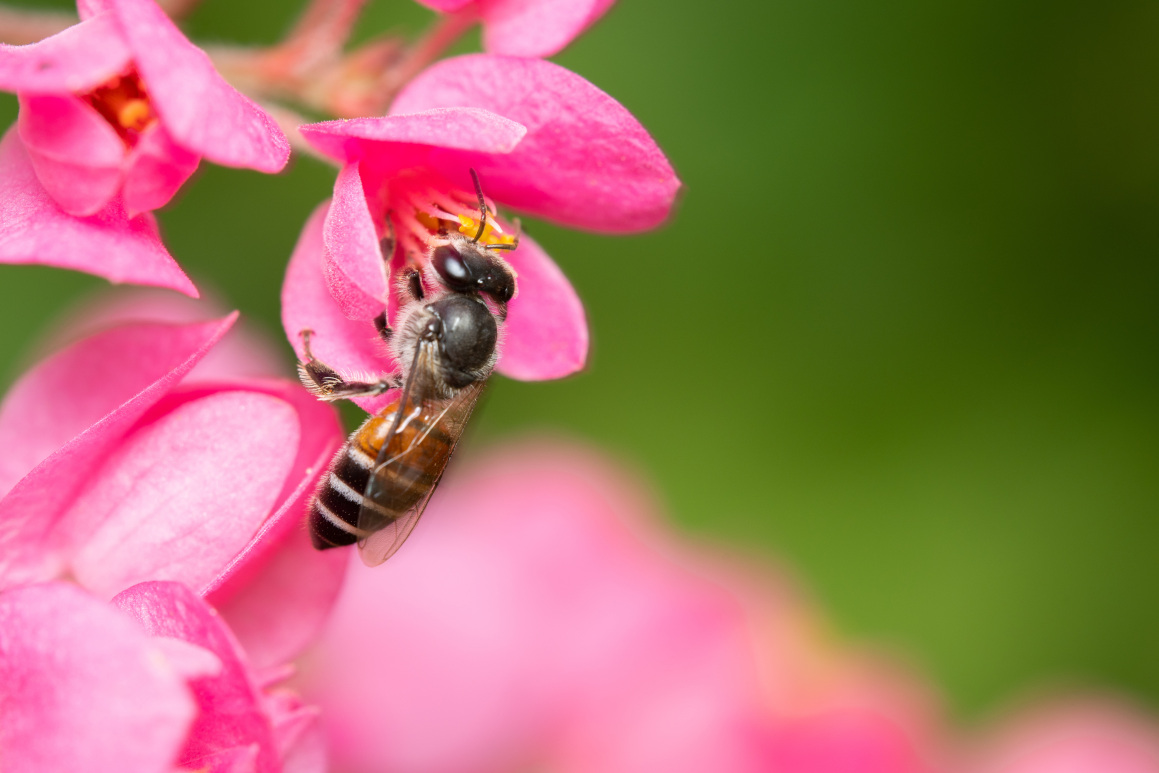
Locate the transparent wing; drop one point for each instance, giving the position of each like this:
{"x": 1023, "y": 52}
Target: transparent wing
{"x": 409, "y": 467}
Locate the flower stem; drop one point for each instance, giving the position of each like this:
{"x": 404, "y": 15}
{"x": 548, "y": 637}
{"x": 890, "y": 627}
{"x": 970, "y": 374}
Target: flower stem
{"x": 19, "y": 27}
{"x": 323, "y": 29}
{"x": 428, "y": 48}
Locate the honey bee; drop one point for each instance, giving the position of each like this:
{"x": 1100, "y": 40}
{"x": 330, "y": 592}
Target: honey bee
{"x": 446, "y": 344}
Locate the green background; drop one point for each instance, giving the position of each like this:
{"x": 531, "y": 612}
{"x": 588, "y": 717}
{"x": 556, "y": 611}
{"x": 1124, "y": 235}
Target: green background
{"x": 901, "y": 333}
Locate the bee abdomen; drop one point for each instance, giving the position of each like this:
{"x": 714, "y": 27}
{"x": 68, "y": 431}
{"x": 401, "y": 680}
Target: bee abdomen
{"x": 420, "y": 450}
{"x": 334, "y": 511}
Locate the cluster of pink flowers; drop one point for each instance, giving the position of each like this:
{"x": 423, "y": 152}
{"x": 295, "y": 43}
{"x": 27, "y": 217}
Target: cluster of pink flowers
{"x": 161, "y": 607}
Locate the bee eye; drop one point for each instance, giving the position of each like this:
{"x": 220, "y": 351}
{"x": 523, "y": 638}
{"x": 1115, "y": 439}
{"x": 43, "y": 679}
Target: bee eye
{"x": 450, "y": 266}
{"x": 501, "y": 286}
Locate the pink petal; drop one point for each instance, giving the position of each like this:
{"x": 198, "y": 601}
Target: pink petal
{"x": 248, "y": 352}
{"x": 90, "y": 8}
{"x": 1078, "y": 736}
{"x": 157, "y": 167}
{"x": 531, "y": 556}
{"x": 424, "y": 609}
{"x": 280, "y": 612}
{"x": 352, "y": 260}
{"x": 349, "y": 346}
{"x": 128, "y": 370}
{"x": 34, "y": 229}
{"x": 231, "y": 719}
{"x": 585, "y": 162}
{"x": 237, "y": 759}
{"x": 278, "y": 589}
{"x": 189, "y": 660}
{"x": 73, "y": 61}
{"x": 301, "y": 743}
{"x": 79, "y": 681}
{"x": 199, "y": 108}
{"x": 836, "y": 741}
{"x": 447, "y": 127}
{"x": 181, "y": 496}
{"x": 546, "y": 335}
{"x": 536, "y": 28}
{"x": 76, "y": 154}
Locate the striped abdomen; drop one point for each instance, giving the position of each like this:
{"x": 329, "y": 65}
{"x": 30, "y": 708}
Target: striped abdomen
{"x": 419, "y": 452}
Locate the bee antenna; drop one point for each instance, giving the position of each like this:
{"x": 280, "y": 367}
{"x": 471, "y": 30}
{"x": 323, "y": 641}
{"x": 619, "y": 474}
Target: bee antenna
{"x": 482, "y": 207}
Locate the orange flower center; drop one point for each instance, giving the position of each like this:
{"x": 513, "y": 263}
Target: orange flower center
{"x": 421, "y": 209}
{"x": 124, "y": 103}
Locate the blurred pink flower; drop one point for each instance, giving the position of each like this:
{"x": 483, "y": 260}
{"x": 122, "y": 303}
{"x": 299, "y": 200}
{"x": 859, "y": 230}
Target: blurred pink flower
{"x": 1075, "y": 735}
{"x": 115, "y": 114}
{"x": 543, "y": 621}
{"x": 131, "y": 455}
{"x": 527, "y": 27}
{"x": 34, "y": 229}
{"x": 149, "y": 683}
{"x": 543, "y": 140}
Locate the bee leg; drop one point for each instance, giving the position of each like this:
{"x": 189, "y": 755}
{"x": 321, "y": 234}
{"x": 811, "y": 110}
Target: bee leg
{"x": 383, "y": 327}
{"x": 324, "y": 382}
{"x": 387, "y": 243}
{"x": 412, "y": 282}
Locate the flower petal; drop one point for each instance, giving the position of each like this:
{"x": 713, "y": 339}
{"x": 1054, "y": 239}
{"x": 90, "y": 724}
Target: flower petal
{"x": 534, "y": 557}
{"x": 299, "y": 734}
{"x": 189, "y": 660}
{"x": 231, "y": 718}
{"x": 350, "y": 347}
{"x": 199, "y": 108}
{"x": 536, "y": 28}
{"x": 72, "y": 61}
{"x": 181, "y": 496}
{"x": 246, "y": 353}
{"x": 448, "y": 127}
{"x": 80, "y": 680}
{"x": 52, "y": 449}
{"x": 278, "y": 590}
{"x": 546, "y": 335}
{"x": 351, "y": 258}
{"x": 585, "y": 162}
{"x": 87, "y": 9}
{"x": 76, "y": 154}
{"x": 34, "y": 229}
{"x": 156, "y": 168}
{"x": 1088, "y": 735}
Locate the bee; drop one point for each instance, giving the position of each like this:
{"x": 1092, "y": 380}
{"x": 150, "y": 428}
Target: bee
{"x": 446, "y": 344}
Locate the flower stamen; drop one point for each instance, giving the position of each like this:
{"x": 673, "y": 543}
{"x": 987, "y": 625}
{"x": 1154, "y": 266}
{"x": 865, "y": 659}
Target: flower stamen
{"x": 124, "y": 103}
{"x": 423, "y": 212}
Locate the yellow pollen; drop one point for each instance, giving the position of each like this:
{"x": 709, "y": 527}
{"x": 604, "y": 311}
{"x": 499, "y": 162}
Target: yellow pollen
{"x": 468, "y": 226}
{"x": 134, "y": 114}
{"x": 124, "y": 103}
{"x": 428, "y": 221}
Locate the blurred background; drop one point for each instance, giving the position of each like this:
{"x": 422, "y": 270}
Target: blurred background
{"x": 902, "y": 334}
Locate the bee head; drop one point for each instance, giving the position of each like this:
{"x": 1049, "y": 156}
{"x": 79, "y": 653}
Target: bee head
{"x": 466, "y": 332}
{"x": 465, "y": 267}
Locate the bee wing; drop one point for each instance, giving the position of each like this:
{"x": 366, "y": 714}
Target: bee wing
{"x": 393, "y": 466}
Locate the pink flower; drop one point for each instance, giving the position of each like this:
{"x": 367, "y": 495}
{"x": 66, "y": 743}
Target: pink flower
{"x": 152, "y": 682}
{"x": 542, "y": 139}
{"x": 542, "y": 620}
{"x": 34, "y": 229}
{"x": 134, "y": 455}
{"x": 534, "y": 28}
{"x": 1078, "y": 735}
{"x": 115, "y": 114}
